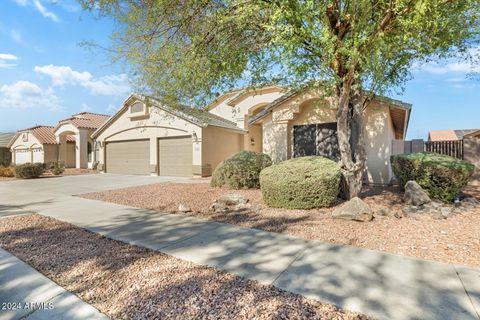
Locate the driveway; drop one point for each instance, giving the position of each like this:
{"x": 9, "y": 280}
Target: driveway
{"x": 70, "y": 185}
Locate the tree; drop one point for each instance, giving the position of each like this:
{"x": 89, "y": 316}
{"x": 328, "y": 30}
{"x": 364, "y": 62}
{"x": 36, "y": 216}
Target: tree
{"x": 187, "y": 50}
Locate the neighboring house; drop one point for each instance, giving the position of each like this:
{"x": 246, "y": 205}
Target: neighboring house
{"x": 38, "y": 144}
{"x": 5, "y": 154}
{"x": 145, "y": 137}
{"x": 68, "y": 142}
{"x": 452, "y": 135}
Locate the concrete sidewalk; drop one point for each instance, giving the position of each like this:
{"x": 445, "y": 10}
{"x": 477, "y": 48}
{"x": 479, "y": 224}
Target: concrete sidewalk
{"x": 27, "y": 294}
{"x": 382, "y": 285}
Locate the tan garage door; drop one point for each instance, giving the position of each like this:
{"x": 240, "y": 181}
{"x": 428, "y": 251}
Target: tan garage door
{"x": 128, "y": 157}
{"x": 175, "y": 156}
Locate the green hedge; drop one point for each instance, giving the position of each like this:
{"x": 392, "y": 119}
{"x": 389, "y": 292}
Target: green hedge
{"x": 240, "y": 171}
{"x": 442, "y": 177}
{"x": 29, "y": 170}
{"x": 301, "y": 183}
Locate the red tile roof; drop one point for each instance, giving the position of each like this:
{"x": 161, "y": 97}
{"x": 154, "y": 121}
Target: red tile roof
{"x": 85, "y": 120}
{"x": 45, "y": 135}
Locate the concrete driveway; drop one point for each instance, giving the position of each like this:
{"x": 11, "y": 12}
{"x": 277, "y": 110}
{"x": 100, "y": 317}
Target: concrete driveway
{"x": 70, "y": 185}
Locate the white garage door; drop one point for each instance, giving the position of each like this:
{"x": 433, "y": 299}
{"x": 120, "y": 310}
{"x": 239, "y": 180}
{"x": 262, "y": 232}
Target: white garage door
{"x": 37, "y": 155}
{"x": 22, "y": 156}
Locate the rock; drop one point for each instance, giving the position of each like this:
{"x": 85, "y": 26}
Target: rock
{"x": 445, "y": 212}
{"x": 184, "y": 208}
{"x": 219, "y": 207}
{"x": 415, "y": 195}
{"x": 355, "y": 209}
{"x": 435, "y": 204}
{"x": 469, "y": 202}
{"x": 232, "y": 199}
{"x": 451, "y": 246}
{"x": 399, "y": 215}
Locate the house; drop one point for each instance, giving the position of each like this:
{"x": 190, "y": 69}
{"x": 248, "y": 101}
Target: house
{"x": 452, "y": 135}
{"x": 146, "y": 137}
{"x": 68, "y": 142}
{"x": 38, "y": 145}
{"x": 80, "y": 126}
{"x": 5, "y": 154}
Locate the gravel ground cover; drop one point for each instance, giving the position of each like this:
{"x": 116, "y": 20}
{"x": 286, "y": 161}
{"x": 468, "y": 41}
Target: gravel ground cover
{"x": 453, "y": 240}
{"x": 129, "y": 282}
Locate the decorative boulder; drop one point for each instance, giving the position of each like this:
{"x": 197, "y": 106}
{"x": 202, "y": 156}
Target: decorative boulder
{"x": 232, "y": 199}
{"x": 355, "y": 209}
{"x": 415, "y": 195}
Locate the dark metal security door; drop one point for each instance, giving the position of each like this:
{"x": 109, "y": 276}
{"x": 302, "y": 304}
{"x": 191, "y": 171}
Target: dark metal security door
{"x": 316, "y": 139}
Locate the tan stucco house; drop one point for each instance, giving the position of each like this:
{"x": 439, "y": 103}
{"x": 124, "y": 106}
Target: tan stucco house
{"x": 37, "y": 145}
{"x": 68, "y": 142}
{"x": 145, "y": 137}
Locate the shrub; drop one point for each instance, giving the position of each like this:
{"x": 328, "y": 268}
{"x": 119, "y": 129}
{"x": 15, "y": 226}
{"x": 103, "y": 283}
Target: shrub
{"x": 7, "y": 172}
{"x": 301, "y": 183}
{"x": 442, "y": 177}
{"x": 241, "y": 170}
{"x": 57, "y": 168}
{"x": 28, "y": 171}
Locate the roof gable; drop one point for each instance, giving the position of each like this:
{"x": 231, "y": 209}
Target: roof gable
{"x": 197, "y": 117}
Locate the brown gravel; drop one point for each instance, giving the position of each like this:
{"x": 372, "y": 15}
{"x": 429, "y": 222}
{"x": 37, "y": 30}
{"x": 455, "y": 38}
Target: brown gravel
{"x": 128, "y": 282}
{"x": 454, "y": 240}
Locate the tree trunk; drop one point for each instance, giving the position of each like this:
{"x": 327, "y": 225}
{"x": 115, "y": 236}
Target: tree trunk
{"x": 350, "y": 139}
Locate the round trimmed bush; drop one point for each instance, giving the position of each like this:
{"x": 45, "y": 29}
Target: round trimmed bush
{"x": 301, "y": 183}
{"x": 28, "y": 171}
{"x": 442, "y": 177}
{"x": 240, "y": 171}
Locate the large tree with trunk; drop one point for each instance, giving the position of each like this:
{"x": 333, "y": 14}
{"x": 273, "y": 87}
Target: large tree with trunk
{"x": 188, "y": 50}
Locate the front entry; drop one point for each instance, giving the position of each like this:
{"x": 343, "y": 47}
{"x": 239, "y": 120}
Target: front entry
{"x": 316, "y": 139}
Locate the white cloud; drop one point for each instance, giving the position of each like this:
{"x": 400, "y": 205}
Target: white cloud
{"x": 458, "y": 67}
{"x": 38, "y": 5}
{"x": 85, "y": 108}
{"x": 6, "y": 60}
{"x": 25, "y": 94}
{"x": 112, "y": 85}
{"x": 62, "y": 75}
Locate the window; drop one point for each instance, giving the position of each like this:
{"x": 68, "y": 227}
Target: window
{"x": 137, "y": 107}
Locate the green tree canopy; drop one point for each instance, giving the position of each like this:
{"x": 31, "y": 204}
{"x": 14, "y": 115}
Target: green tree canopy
{"x": 188, "y": 50}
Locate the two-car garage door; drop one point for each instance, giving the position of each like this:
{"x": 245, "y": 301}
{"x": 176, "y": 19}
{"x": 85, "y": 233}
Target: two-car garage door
{"x": 133, "y": 157}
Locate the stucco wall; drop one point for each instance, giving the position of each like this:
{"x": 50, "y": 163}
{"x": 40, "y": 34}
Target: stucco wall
{"x": 471, "y": 153}
{"x": 157, "y": 125}
{"x": 278, "y": 134}
{"x": 245, "y": 105}
{"x": 219, "y": 144}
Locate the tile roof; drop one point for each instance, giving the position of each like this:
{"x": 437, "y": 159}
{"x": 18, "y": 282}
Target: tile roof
{"x": 442, "y": 135}
{"x": 463, "y": 132}
{"x": 199, "y": 117}
{"x": 5, "y": 138}
{"x": 85, "y": 120}
{"x": 44, "y": 134}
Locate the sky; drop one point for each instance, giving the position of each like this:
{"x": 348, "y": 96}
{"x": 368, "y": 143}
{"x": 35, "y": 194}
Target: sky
{"x": 46, "y": 75}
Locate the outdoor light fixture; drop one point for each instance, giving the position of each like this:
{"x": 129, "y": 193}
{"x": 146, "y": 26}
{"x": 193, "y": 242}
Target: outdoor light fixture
{"x": 194, "y": 136}
{"x": 252, "y": 141}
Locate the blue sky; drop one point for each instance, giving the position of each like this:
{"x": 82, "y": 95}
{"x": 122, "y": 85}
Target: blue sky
{"x": 46, "y": 76}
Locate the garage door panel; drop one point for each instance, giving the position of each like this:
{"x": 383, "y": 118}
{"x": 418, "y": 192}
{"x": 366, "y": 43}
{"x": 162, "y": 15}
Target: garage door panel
{"x": 128, "y": 157}
{"x": 22, "y": 156}
{"x": 175, "y": 156}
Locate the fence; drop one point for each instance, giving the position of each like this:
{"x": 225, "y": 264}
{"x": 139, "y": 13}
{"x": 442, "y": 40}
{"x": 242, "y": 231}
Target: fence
{"x": 453, "y": 148}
